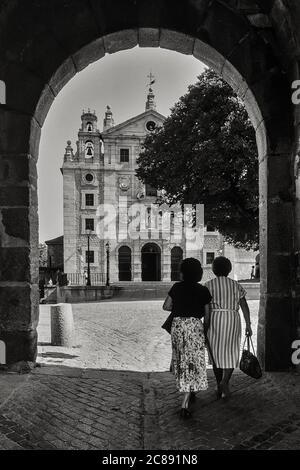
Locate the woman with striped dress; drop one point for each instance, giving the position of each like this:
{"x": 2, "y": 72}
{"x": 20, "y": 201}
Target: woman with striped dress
{"x": 223, "y": 323}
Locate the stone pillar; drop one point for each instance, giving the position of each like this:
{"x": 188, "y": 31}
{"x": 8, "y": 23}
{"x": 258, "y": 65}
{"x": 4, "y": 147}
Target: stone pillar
{"x": 136, "y": 262}
{"x": 166, "y": 262}
{"x": 62, "y": 326}
{"x": 19, "y": 290}
{"x": 113, "y": 263}
{"x": 276, "y": 328}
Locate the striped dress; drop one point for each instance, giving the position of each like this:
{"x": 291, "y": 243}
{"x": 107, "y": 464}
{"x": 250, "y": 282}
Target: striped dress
{"x": 224, "y": 333}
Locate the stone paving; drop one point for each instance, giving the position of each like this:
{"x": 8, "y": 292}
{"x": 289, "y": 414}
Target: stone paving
{"x": 64, "y": 408}
{"x": 116, "y": 335}
{"x": 77, "y": 404}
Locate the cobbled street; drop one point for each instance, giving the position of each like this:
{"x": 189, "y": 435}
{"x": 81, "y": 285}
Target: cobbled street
{"x": 116, "y": 335}
{"x": 112, "y": 390}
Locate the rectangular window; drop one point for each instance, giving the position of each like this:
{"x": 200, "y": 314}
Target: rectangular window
{"x": 124, "y": 155}
{"x": 210, "y": 256}
{"x": 90, "y": 256}
{"x": 150, "y": 191}
{"x": 89, "y": 224}
{"x": 210, "y": 228}
{"x": 89, "y": 199}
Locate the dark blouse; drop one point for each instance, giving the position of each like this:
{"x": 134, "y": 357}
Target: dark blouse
{"x": 189, "y": 299}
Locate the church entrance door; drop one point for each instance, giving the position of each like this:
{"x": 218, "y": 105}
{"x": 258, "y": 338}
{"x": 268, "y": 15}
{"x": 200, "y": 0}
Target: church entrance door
{"x": 151, "y": 269}
{"x": 124, "y": 263}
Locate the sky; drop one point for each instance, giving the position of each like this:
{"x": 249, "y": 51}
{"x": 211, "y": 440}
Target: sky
{"x": 120, "y": 81}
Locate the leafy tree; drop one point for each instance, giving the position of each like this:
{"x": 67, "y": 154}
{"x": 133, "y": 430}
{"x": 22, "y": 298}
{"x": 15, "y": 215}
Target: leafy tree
{"x": 206, "y": 153}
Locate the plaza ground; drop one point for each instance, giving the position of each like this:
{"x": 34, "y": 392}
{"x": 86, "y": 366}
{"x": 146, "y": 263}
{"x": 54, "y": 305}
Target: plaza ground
{"x": 116, "y": 335}
{"x": 112, "y": 390}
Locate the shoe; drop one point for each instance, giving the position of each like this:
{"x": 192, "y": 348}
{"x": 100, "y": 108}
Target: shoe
{"x": 218, "y": 391}
{"x": 225, "y": 392}
{"x": 185, "y": 413}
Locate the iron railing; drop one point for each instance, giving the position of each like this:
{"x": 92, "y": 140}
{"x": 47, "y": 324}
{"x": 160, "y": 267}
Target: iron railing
{"x": 79, "y": 279}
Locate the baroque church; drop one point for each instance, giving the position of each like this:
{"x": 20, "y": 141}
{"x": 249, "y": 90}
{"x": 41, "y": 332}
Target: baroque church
{"x": 102, "y": 198}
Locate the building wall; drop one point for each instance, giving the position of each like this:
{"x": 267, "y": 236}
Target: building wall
{"x": 116, "y": 189}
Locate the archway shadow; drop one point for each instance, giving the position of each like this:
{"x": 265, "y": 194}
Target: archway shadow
{"x": 78, "y": 408}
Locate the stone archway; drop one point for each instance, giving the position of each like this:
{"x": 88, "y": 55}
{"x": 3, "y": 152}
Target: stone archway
{"x": 55, "y": 40}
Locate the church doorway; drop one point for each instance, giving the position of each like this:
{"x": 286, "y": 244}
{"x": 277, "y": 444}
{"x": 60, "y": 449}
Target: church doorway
{"x": 176, "y": 258}
{"x": 151, "y": 262}
{"x": 124, "y": 263}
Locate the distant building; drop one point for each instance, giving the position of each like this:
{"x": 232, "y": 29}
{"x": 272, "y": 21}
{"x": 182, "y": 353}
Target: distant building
{"x": 100, "y": 174}
{"x": 55, "y": 258}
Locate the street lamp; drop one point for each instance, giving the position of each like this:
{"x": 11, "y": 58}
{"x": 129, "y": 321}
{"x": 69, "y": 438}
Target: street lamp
{"x": 88, "y": 281}
{"x": 107, "y": 262}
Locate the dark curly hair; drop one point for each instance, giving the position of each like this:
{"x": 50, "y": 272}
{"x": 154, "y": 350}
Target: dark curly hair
{"x": 221, "y": 266}
{"x": 191, "y": 270}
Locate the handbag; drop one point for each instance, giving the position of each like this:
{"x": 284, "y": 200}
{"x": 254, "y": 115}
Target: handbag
{"x": 168, "y": 323}
{"x": 249, "y": 363}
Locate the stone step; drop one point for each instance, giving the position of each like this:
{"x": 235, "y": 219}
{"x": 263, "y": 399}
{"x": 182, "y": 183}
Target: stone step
{"x": 141, "y": 290}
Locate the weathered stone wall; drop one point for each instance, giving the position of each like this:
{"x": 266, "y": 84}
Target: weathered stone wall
{"x": 253, "y": 45}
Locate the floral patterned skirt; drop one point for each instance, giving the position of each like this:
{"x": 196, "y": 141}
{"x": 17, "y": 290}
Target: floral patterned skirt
{"x": 188, "y": 354}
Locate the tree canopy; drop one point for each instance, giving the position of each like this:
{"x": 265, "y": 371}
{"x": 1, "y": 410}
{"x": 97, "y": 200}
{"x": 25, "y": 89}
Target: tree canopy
{"x": 206, "y": 152}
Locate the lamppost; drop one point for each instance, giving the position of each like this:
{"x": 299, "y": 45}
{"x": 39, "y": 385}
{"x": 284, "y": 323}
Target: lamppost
{"x": 88, "y": 281}
{"x": 107, "y": 262}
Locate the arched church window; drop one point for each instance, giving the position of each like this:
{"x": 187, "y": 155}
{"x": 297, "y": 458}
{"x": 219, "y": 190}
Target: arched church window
{"x": 2, "y": 92}
{"x": 89, "y": 127}
{"x": 89, "y": 149}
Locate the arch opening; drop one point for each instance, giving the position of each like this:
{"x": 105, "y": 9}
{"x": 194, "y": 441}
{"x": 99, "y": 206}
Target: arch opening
{"x": 176, "y": 259}
{"x": 151, "y": 262}
{"x": 124, "y": 255}
{"x": 188, "y": 44}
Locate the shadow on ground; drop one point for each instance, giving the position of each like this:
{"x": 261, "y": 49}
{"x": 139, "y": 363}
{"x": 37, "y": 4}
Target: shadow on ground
{"x": 58, "y": 407}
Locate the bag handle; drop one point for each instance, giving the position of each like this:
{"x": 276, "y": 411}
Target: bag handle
{"x": 249, "y": 340}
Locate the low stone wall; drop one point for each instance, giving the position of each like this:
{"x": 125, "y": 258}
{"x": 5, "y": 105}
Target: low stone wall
{"x": 252, "y": 289}
{"x": 78, "y": 294}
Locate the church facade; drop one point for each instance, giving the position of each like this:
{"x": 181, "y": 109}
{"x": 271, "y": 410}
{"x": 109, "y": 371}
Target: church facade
{"x": 108, "y": 212}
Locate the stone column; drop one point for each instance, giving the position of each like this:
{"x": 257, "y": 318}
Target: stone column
{"x": 19, "y": 291}
{"x": 166, "y": 262}
{"x": 136, "y": 262}
{"x": 277, "y": 322}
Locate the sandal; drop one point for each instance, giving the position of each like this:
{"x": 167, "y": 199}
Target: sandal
{"x": 218, "y": 391}
{"x": 185, "y": 413}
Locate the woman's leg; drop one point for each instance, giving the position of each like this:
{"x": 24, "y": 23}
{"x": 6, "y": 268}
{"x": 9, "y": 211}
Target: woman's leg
{"x": 185, "y": 401}
{"x": 218, "y": 374}
{"x": 227, "y": 373}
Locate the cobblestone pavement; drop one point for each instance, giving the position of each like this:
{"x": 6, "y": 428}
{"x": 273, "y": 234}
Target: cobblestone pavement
{"x": 57, "y": 407}
{"x": 73, "y": 402}
{"x": 115, "y": 335}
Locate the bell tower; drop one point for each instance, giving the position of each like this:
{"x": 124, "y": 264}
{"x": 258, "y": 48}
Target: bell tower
{"x": 89, "y": 145}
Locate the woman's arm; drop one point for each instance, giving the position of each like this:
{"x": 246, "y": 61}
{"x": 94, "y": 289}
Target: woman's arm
{"x": 167, "y": 304}
{"x": 246, "y": 313}
{"x": 206, "y": 317}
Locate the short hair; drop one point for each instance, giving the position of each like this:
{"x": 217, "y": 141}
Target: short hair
{"x": 191, "y": 270}
{"x": 221, "y": 266}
